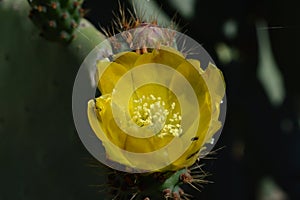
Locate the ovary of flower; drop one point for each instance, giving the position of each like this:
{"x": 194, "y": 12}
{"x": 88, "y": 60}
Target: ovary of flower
{"x": 151, "y": 111}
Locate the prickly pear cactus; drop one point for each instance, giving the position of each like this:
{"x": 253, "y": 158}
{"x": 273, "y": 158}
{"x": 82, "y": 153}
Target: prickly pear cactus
{"x": 43, "y": 75}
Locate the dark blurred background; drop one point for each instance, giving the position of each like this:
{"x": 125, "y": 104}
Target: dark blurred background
{"x": 255, "y": 43}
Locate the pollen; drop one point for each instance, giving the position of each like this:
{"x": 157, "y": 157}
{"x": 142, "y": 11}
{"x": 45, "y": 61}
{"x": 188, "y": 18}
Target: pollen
{"x": 154, "y": 112}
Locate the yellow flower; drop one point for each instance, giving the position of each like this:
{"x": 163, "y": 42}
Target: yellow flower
{"x": 156, "y": 110}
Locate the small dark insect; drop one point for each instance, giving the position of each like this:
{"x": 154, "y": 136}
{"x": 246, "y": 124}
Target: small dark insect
{"x": 195, "y": 138}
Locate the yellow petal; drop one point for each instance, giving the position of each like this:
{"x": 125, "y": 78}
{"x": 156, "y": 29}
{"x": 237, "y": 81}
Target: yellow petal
{"x": 115, "y": 153}
{"x": 172, "y": 51}
{"x": 216, "y": 85}
{"x": 162, "y": 57}
{"x": 108, "y": 79}
{"x": 126, "y": 59}
{"x": 196, "y": 64}
{"x": 109, "y": 73}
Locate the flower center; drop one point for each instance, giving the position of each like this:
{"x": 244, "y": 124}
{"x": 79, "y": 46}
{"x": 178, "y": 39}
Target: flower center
{"x": 155, "y": 113}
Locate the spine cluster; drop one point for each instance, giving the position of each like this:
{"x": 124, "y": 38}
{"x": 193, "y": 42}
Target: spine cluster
{"x": 56, "y": 19}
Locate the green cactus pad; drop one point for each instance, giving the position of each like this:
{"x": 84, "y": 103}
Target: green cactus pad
{"x": 57, "y": 19}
